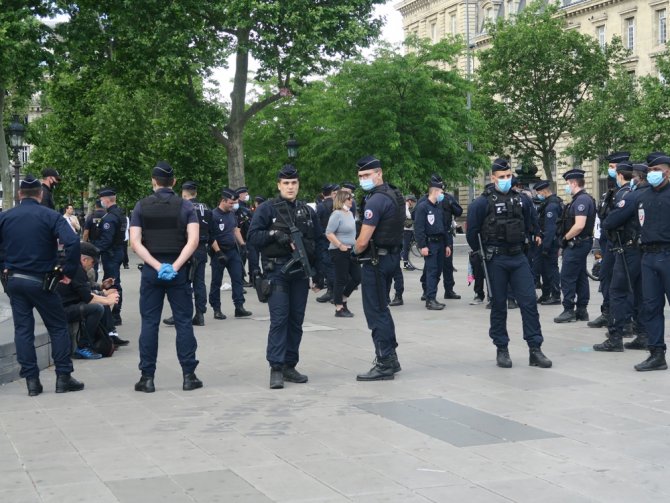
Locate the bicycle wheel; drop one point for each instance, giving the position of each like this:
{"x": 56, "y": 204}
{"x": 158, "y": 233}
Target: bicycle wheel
{"x": 593, "y": 261}
{"x": 414, "y": 256}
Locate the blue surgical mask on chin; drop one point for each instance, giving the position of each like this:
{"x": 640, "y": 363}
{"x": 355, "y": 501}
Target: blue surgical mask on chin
{"x": 541, "y": 197}
{"x": 440, "y": 198}
{"x": 367, "y": 185}
{"x": 655, "y": 178}
{"x": 236, "y": 206}
{"x": 632, "y": 185}
{"x": 568, "y": 190}
{"x": 504, "y": 185}
{"x": 611, "y": 172}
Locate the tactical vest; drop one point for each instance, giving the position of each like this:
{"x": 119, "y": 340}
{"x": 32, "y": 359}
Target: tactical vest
{"x": 568, "y": 219}
{"x": 448, "y": 213}
{"x": 388, "y": 233}
{"x": 606, "y": 204}
{"x": 504, "y": 222}
{"x": 94, "y": 231}
{"x": 204, "y": 218}
{"x": 301, "y": 217}
{"x": 542, "y": 209}
{"x": 120, "y": 233}
{"x": 163, "y": 232}
{"x": 629, "y": 232}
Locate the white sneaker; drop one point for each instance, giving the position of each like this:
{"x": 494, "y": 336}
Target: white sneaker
{"x": 226, "y": 286}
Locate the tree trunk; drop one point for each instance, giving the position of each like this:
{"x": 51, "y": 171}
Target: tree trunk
{"x": 235, "y": 157}
{"x": 547, "y": 164}
{"x": 5, "y": 167}
{"x": 235, "y": 126}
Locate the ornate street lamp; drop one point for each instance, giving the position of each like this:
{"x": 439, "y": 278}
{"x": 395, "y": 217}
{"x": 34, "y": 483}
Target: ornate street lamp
{"x": 292, "y": 148}
{"x": 16, "y": 133}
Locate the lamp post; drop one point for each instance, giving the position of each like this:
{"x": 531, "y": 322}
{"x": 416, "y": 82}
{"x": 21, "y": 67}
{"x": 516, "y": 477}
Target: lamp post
{"x": 16, "y": 133}
{"x": 292, "y": 148}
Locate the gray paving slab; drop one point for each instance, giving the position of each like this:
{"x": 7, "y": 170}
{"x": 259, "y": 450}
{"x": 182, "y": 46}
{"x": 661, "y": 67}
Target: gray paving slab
{"x": 451, "y": 426}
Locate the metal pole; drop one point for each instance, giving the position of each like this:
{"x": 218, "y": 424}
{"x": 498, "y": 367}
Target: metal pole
{"x": 471, "y": 187}
{"x": 17, "y": 168}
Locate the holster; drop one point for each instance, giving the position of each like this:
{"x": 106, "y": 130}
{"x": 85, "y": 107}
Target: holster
{"x": 263, "y": 287}
{"x": 51, "y": 279}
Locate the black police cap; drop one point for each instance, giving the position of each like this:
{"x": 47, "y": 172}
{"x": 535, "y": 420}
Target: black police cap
{"x": 228, "y": 193}
{"x": 348, "y": 185}
{"x": 574, "y": 174}
{"x": 641, "y": 167}
{"x": 617, "y": 157}
{"x": 624, "y": 167}
{"x": 661, "y": 159}
{"x": 106, "y": 192}
{"x": 50, "y": 172}
{"x": 500, "y": 164}
{"x": 541, "y": 185}
{"x": 368, "y": 162}
{"x": 30, "y": 182}
{"x": 162, "y": 170}
{"x": 287, "y": 172}
{"x": 189, "y": 185}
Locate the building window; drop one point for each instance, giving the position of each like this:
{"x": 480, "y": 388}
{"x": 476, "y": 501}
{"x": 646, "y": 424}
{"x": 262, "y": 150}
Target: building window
{"x": 661, "y": 27}
{"x": 629, "y": 33}
{"x": 452, "y": 23}
{"x": 433, "y": 32}
{"x": 600, "y": 35}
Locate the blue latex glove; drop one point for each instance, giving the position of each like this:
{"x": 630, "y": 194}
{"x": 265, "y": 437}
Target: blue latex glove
{"x": 170, "y": 273}
{"x": 164, "y": 272}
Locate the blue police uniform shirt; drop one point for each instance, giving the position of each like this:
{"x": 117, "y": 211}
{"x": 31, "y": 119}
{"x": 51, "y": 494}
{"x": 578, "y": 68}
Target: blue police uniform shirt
{"x": 582, "y": 206}
{"x": 187, "y": 213}
{"x": 222, "y": 227}
{"x": 107, "y": 230}
{"x": 653, "y": 208}
{"x": 29, "y": 235}
{"x": 534, "y": 217}
{"x": 477, "y": 212}
{"x": 428, "y": 221}
{"x": 378, "y": 207}
{"x": 551, "y": 214}
{"x": 619, "y": 195}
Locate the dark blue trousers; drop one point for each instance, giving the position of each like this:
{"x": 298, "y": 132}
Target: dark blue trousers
{"x": 574, "y": 281}
{"x": 655, "y": 289}
{"x": 606, "y": 270}
{"x": 448, "y": 271}
{"x": 287, "y": 312}
{"x": 152, "y": 296}
{"x": 111, "y": 266}
{"x": 24, "y": 295}
{"x": 199, "y": 287}
{"x": 253, "y": 258}
{"x": 551, "y": 277}
{"x": 433, "y": 266}
{"x": 375, "y": 303}
{"x": 621, "y": 298}
{"x": 406, "y": 240}
{"x": 398, "y": 282}
{"x": 234, "y": 268}
{"x": 513, "y": 271}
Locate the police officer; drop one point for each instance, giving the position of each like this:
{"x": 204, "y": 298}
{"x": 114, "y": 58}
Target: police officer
{"x": 91, "y": 232}
{"x": 243, "y": 214}
{"x": 408, "y": 231}
{"x": 164, "y": 233}
{"x": 225, "y": 236}
{"x": 577, "y": 233}
{"x": 110, "y": 241}
{"x": 323, "y": 212}
{"x": 270, "y": 233}
{"x": 502, "y": 220}
{"x": 29, "y": 235}
{"x": 50, "y": 179}
{"x": 550, "y": 211}
{"x": 626, "y": 275}
{"x": 606, "y": 204}
{"x": 189, "y": 192}
{"x": 378, "y": 246}
{"x": 431, "y": 239}
{"x": 451, "y": 210}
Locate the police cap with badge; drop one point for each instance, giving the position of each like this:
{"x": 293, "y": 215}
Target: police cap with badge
{"x": 106, "y": 192}
{"x": 541, "y": 185}
{"x": 287, "y": 172}
{"x": 30, "y": 182}
{"x": 617, "y": 157}
{"x": 162, "y": 170}
{"x": 189, "y": 185}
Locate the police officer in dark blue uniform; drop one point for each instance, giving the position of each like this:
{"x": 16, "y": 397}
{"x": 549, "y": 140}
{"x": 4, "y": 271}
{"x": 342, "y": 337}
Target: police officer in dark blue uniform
{"x": 549, "y": 213}
{"x": 289, "y": 283}
{"x": 378, "y": 247}
{"x": 189, "y": 192}
{"x": 606, "y": 205}
{"x": 225, "y": 236}
{"x": 431, "y": 238}
{"x": 110, "y": 242}
{"x": 451, "y": 210}
{"x": 29, "y": 235}
{"x": 164, "y": 233}
{"x": 626, "y": 280}
{"x": 502, "y": 220}
{"x": 243, "y": 214}
{"x": 577, "y": 240}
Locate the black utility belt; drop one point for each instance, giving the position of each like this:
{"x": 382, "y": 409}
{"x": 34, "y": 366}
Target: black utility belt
{"x": 387, "y": 251}
{"x": 501, "y": 250}
{"x": 655, "y": 247}
{"x": 435, "y": 239}
{"x": 226, "y": 248}
{"x": 49, "y": 280}
{"x": 30, "y": 277}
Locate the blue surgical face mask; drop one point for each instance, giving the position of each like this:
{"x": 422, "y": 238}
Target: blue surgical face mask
{"x": 367, "y": 184}
{"x": 655, "y": 178}
{"x": 505, "y": 185}
{"x": 568, "y": 190}
{"x": 236, "y": 206}
{"x": 632, "y": 184}
{"x": 541, "y": 197}
{"x": 611, "y": 172}
{"x": 440, "y": 198}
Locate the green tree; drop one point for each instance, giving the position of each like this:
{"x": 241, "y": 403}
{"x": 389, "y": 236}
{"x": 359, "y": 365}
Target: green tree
{"x": 407, "y": 109}
{"x": 23, "y": 53}
{"x": 533, "y": 77}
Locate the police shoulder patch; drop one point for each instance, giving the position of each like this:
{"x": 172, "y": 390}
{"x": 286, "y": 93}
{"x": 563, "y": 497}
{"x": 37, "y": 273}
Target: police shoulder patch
{"x": 550, "y": 214}
{"x": 106, "y": 226}
{"x": 581, "y": 207}
{"x": 621, "y": 203}
{"x": 368, "y": 214}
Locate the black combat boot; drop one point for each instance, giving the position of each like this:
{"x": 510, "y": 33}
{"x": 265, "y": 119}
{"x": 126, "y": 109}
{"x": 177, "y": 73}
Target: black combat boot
{"x": 34, "y": 386}
{"x": 218, "y": 315}
{"x": 502, "y": 358}
{"x": 628, "y": 329}
{"x": 397, "y": 300}
{"x": 276, "y": 378}
{"x": 326, "y": 297}
{"x": 381, "y": 371}
{"x": 567, "y": 316}
{"x": 600, "y": 322}
{"x": 145, "y": 384}
{"x": 542, "y": 298}
{"x": 199, "y": 319}
{"x": 191, "y": 382}
{"x": 613, "y": 344}
{"x": 551, "y": 301}
{"x": 292, "y": 375}
{"x": 433, "y": 305}
{"x": 396, "y": 363}
{"x": 511, "y": 304}
{"x": 640, "y": 342}
{"x": 537, "y": 359}
{"x": 65, "y": 383}
{"x": 240, "y": 312}
{"x": 582, "y": 314}
{"x": 169, "y": 321}
{"x": 656, "y": 361}
{"x": 451, "y": 295}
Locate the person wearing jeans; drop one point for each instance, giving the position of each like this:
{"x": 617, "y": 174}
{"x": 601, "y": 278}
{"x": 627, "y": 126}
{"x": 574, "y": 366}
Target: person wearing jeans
{"x": 341, "y": 232}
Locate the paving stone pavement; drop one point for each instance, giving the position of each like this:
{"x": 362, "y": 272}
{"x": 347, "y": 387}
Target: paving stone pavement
{"x": 452, "y": 427}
